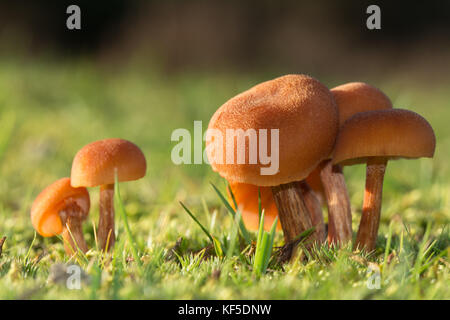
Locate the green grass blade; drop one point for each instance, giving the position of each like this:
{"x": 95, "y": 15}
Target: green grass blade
{"x": 422, "y": 252}
{"x": 269, "y": 248}
{"x": 232, "y": 195}
{"x": 217, "y": 247}
{"x": 304, "y": 235}
{"x": 388, "y": 246}
{"x": 263, "y": 248}
{"x": 224, "y": 201}
{"x": 30, "y": 247}
{"x": 233, "y": 236}
{"x": 242, "y": 228}
{"x": 260, "y": 230}
{"x": 258, "y": 264}
{"x": 198, "y": 222}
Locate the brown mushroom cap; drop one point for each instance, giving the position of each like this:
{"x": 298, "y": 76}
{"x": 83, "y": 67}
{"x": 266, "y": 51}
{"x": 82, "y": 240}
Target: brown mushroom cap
{"x": 95, "y": 163}
{"x": 299, "y": 106}
{"x": 355, "y": 97}
{"x": 57, "y": 197}
{"x": 392, "y": 133}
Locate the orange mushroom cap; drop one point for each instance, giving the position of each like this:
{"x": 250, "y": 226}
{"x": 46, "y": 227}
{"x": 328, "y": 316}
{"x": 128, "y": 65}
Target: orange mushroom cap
{"x": 53, "y": 200}
{"x": 355, "y": 97}
{"x": 391, "y": 133}
{"x": 95, "y": 164}
{"x": 246, "y": 196}
{"x": 300, "y": 107}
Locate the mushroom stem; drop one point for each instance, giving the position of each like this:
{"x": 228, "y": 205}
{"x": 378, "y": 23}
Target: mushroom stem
{"x": 106, "y": 236}
{"x": 292, "y": 210}
{"x": 338, "y": 202}
{"x": 370, "y": 219}
{"x": 313, "y": 205}
{"x": 73, "y": 236}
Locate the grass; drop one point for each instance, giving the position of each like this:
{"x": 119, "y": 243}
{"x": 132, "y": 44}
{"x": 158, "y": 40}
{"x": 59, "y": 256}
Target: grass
{"x": 50, "y": 109}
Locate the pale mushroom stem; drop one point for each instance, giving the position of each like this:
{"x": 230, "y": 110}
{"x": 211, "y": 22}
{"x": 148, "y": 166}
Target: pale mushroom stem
{"x": 106, "y": 236}
{"x": 292, "y": 211}
{"x": 73, "y": 236}
{"x": 370, "y": 219}
{"x": 338, "y": 202}
{"x": 313, "y": 205}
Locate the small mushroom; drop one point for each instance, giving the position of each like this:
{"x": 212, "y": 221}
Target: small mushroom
{"x": 374, "y": 137}
{"x": 96, "y": 165}
{"x": 351, "y": 98}
{"x": 61, "y": 209}
{"x": 304, "y": 112}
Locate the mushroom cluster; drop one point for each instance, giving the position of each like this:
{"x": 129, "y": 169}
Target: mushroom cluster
{"x": 62, "y": 207}
{"x": 320, "y": 130}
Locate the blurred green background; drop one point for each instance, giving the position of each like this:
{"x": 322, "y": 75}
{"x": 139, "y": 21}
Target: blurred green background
{"x": 140, "y": 69}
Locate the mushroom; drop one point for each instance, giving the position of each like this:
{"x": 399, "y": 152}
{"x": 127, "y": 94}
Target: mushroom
{"x": 374, "y": 137}
{"x": 351, "y": 98}
{"x": 61, "y": 209}
{"x": 305, "y": 115}
{"x": 96, "y": 165}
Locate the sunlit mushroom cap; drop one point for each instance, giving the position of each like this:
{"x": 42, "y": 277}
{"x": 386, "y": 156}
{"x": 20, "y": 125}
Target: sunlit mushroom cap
{"x": 355, "y": 97}
{"x": 53, "y": 201}
{"x": 392, "y": 133}
{"x": 95, "y": 164}
{"x": 246, "y": 196}
{"x": 299, "y": 106}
